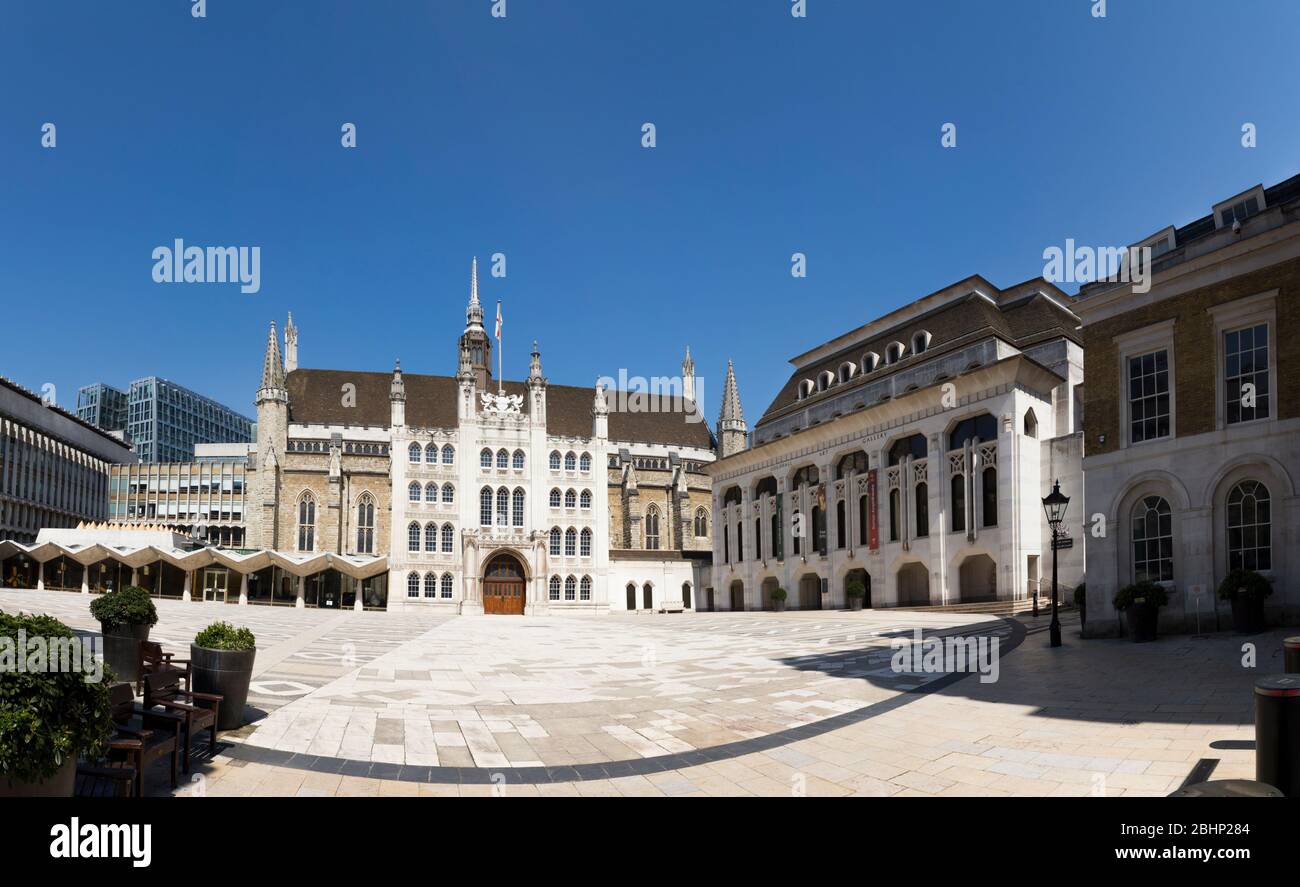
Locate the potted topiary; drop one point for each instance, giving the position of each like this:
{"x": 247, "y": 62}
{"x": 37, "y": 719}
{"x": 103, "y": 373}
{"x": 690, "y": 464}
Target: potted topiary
{"x": 125, "y": 617}
{"x": 856, "y": 591}
{"x": 1081, "y": 601}
{"x": 778, "y": 599}
{"x": 221, "y": 663}
{"x": 48, "y": 716}
{"x": 1141, "y": 603}
{"x": 1246, "y": 590}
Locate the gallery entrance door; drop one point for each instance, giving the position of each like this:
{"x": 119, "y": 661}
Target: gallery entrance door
{"x": 503, "y": 586}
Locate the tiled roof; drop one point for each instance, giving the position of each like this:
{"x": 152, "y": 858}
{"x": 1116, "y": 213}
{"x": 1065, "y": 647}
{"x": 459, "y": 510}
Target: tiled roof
{"x": 317, "y": 397}
{"x": 1022, "y": 322}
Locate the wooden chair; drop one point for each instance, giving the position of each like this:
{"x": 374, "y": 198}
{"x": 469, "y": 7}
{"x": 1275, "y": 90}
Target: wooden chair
{"x": 158, "y": 735}
{"x": 105, "y": 781}
{"x": 153, "y": 659}
{"x": 196, "y": 711}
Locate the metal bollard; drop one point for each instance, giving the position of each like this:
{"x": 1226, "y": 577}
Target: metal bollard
{"x": 1277, "y": 732}
{"x": 1035, "y": 604}
{"x": 1291, "y": 655}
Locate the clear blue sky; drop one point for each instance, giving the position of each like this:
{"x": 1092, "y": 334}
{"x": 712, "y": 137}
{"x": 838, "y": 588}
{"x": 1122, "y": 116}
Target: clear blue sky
{"x": 522, "y": 136}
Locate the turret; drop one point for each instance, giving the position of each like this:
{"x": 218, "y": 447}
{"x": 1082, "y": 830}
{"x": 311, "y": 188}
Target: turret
{"x": 475, "y": 338}
{"x": 600, "y": 413}
{"x": 290, "y": 346}
{"x": 397, "y": 397}
{"x": 732, "y": 430}
{"x": 688, "y": 376}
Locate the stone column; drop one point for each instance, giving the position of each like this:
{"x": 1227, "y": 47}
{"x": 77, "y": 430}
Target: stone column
{"x": 243, "y": 588}
{"x": 85, "y": 580}
{"x": 300, "y": 591}
{"x": 186, "y": 593}
{"x": 135, "y": 576}
{"x": 40, "y": 575}
{"x": 358, "y": 605}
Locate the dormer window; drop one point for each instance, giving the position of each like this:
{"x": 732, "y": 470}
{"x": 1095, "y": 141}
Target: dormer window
{"x": 806, "y": 388}
{"x": 1239, "y": 208}
{"x": 848, "y": 370}
{"x": 894, "y": 353}
{"x": 920, "y": 342}
{"x": 870, "y": 361}
{"x": 825, "y": 380}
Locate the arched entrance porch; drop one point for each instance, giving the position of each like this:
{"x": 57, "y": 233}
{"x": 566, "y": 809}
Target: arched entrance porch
{"x": 504, "y": 586}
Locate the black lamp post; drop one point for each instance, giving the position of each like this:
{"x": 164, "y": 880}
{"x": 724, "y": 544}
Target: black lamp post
{"x": 1054, "y": 504}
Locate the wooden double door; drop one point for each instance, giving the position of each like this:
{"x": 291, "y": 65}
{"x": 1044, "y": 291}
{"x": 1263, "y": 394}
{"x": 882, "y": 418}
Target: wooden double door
{"x": 504, "y": 588}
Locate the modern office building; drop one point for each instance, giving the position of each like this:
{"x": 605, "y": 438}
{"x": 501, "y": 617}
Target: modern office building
{"x": 103, "y": 406}
{"x": 164, "y": 420}
{"x": 910, "y": 454}
{"x": 1193, "y": 414}
{"x": 203, "y": 500}
{"x": 54, "y": 468}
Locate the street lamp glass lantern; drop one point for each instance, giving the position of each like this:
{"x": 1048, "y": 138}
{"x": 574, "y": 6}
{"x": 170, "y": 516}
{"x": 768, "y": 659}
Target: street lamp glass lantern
{"x": 1054, "y": 504}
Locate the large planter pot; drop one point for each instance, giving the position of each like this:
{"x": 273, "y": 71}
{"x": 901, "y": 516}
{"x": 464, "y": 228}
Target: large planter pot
{"x": 1142, "y": 620}
{"x": 122, "y": 649}
{"x": 778, "y": 606}
{"x": 855, "y": 603}
{"x": 225, "y": 673}
{"x": 1247, "y": 613}
{"x": 60, "y": 785}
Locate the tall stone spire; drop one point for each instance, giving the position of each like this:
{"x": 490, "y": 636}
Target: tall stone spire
{"x": 290, "y": 346}
{"x": 474, "y": 311}
{"x": 475, "y": 338}
{"x": 732, "y": 429}
{"x": 688, "y": 376}
{"x": 272, "y": 368}
{"x": 397, "y": 398}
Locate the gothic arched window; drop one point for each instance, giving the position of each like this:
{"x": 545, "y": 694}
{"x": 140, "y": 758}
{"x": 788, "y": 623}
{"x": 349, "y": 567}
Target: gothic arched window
{"x": 307, "y": 523}
{"x": 485, "y": 458}
{"x": 555, "y": 498}
{"x": 556, "y": 537}
{"x": 448, "y": 539}
{"x": 584, "y": 590}
{"x": 503, "y": 460}
{"x": 570, "y": 462}
{"x": 570, "y": 588}
{"x": 519, "y": 460}
{"x": 413, "y": 492}
{"x": 447, "y": 585}
{"x": 584, "y": 463}
{"x": 701, "y": 522}
{"x": 430, "y": 585}
{"x": 584, "y": 500}
{"x": 554, "y": 589}
{"x": 430, "y": 493}
{"x": 570, "y": 542}
{"x": 448, "y": 494}
{"x": 366, "y": 524}
{"x": 412, "y": 584}
{"x": 517, "y": 511}
{"x": 570, "y": 498}
{"x": 584, "y": 548}
{"x": 413, "y": 452}
{"x": 448, "y": 455}
{"x": 652, "y": 529}
{"x": 503, "y": 507}
{"x": 431, "y": 537}
{"x": 485, "y": 506}
{"x": 431, "y": 454}
{"x": 555, "y": 461}
{"x": 413, "y": 537}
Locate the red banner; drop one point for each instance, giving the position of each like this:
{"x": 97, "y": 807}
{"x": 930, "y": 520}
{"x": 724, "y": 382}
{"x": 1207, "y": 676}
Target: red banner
{"x": 873, "y": 522}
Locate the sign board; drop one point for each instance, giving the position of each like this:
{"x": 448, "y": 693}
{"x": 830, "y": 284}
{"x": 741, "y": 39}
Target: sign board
{"x": 1196, "y": 591}
{"x": 1062, "y": 542}
{"x": 873, "y": 520}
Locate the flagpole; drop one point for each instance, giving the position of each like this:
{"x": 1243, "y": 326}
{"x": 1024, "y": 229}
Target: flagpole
{"x": 501, "y": 384}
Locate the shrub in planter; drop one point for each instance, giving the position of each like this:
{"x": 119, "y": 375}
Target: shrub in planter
{"x": 778, "y": 599}
{"x": 1141, "y": 603}
{"x": 856, "y": 591}
{"x": 125, "y": 617}
{"x": 1246, "y": 590}
{"x": 47, "y": 717}
{"x": 221, "y": 662}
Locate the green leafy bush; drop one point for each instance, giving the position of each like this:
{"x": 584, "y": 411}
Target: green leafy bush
{"x": 126, "y": 606}
{"x": 856, "y": 589}
{"x": 1153, "y": 593}
{"x": 1256, "y": 586}
{"x": 46, "y": 716}
{"x": 224, "y": 636}
{"x": 779, "y": 594}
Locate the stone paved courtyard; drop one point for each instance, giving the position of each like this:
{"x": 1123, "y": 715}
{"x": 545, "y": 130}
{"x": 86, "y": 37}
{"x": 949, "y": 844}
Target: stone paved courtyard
{"x": 372, "y": 703}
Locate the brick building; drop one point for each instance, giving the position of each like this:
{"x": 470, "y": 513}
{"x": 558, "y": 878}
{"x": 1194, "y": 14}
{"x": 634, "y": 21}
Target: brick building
{"x": 1192, "y": 428}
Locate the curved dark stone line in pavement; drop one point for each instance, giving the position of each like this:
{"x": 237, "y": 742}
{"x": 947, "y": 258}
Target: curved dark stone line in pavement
{"x": 606, "y": 769}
